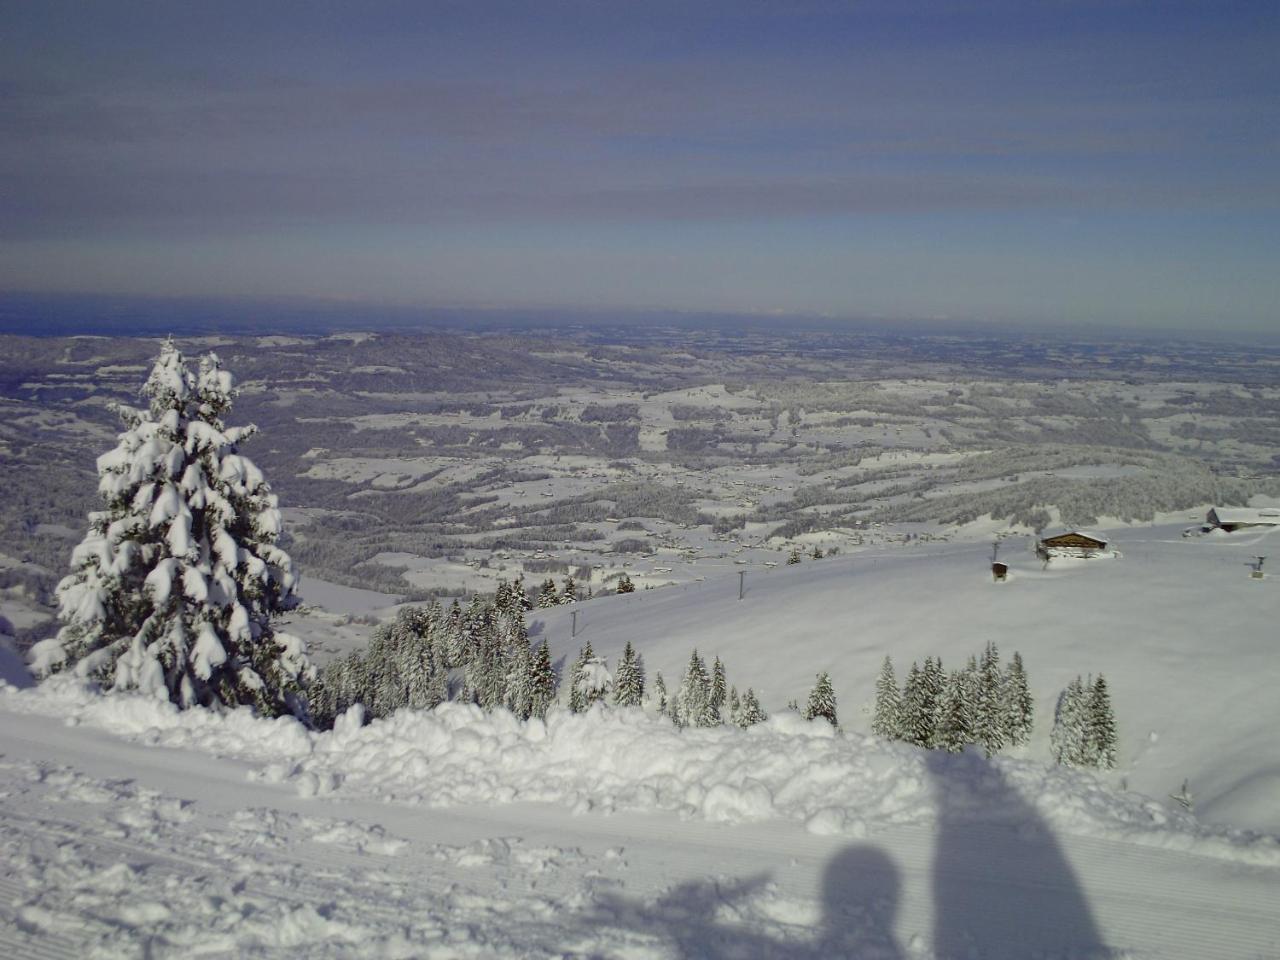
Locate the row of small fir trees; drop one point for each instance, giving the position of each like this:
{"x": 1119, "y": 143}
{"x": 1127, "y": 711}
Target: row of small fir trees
{"x": 703, "y": 698}
{"x": 980, "y": 704}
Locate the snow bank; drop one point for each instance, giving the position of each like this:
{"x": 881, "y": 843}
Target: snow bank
{"x": 613, "y": 760}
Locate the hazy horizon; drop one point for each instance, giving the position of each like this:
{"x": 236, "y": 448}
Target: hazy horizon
{"x": 1059, "y": 166}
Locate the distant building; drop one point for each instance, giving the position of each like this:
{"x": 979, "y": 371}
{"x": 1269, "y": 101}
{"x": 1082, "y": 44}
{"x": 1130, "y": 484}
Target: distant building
{"x": 1073, "y": 543}
{"x": 1233, "y": 518}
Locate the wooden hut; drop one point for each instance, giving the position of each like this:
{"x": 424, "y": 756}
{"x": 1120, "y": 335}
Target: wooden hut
{"x": 1073, "y": 543}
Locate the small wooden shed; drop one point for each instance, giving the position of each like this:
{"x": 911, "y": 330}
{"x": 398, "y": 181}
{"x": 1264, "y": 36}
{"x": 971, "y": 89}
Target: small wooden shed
{"x": 999, "y": 571}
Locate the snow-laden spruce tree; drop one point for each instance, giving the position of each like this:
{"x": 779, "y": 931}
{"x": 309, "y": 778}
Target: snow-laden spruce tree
{"x": 886, "y": 721}
{"x": 174, "y": 588}
{"x": 1019, "y": 707}
{"x": 628, "y": 686}
{"x": 660, "y": 694}
{"x": 1101, "y": 726}
{"x": 577, "y": 701}
{"x": 1069, "y": 737}
{"x": 542, "y": 683}
{"x": 822, "y": 700}
{"x": 956, "y": 714}
{"x": 752, "y": 713}
{"x": 719, "y": 693}
{"x": 692, "y": 706}
{"x": 991, "y": 721}
{"x": 595, "y": 682}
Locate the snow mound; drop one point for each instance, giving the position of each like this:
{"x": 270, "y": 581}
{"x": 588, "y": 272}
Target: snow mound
{"x": 616, "y": 760}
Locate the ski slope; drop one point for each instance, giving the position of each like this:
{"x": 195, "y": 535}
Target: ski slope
{"x": 1187, "y": 641}
{"x": 116, "y": 846}
{"x": 130, "y": 829}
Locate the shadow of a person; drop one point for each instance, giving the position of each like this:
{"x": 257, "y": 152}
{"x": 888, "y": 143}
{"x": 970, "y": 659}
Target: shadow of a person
{"x": 1001, "y": 886}
{"x": 859, "y": 905}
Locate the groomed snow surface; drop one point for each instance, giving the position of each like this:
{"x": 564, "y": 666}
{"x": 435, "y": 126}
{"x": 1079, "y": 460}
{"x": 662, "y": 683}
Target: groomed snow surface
{"x": 129, "y": 829}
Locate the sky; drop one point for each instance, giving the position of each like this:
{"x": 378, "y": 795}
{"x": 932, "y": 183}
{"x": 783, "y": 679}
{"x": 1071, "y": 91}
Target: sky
{"x": 1053, "y": 164}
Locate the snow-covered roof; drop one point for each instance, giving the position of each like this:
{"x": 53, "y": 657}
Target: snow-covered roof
{"x": 1259, "y": 515}
{"x": 1078, "y": 533}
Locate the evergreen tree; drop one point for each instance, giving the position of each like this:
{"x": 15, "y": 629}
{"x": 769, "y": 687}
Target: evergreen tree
{"x": 1101, "y": 726}
{"x": 956, "y": 713}
{"x": 519, "y": 681}
{"x": 887, "y": 720}
{"x": 577, "y": 700}
{"x": 542, "y": 685}
{"x": 817, "y": 553}
{"x": 913, "y": 725}
{"x": 991, "y": 716}
{"x": 595, "y": 682}
{"x": 625, "y": 585}
{"x": 794, "y": 556}
{"x": 934, "y": 680}
{"x": 920, "y": 702}
{"x": 1070, "y": 726}
{"x": 176, "y": 585}
{"x": 570, "y": 592}
{"x": 660, "y": 693}
{"x": 822, "y": 700}
{"x": 521, "y": 595}
{"x": 735, "y": 705}
{"x": 1018, "y": 705}
{"x": 718, "y": 691}
{"x": 455, "y": 640}
{"x": 695, "y": 693}
{"x": 628, "y": 690}
{"x": 752, "y": 712}
{"x": 547, "y": 594}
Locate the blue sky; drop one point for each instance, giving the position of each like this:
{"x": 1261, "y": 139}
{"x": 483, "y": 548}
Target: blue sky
{"x": 1053, "y": 164}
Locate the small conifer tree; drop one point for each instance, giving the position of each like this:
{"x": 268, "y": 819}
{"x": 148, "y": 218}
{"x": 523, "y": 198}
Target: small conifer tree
{"x": 933, "y": 681}
{"x": 1101, "y": 726}
{"x": 752, "y": 712}
{"x": 1070, "y": 726}
{"x": 628, "y": 690}
{"x": 1018, "y": 705}
{"x": 542, "y": 685}
{"x": 822, "y": 700}
{"x": 990, "y": 710}
{"x": 660, "y": 693}
{"x": 956, "y": 714}
{"x": 625, "y": 585}
{"x": 577, "y": 697}
{"x": 695, "y": 693}
{"x": 916, "y": 716}
{"x": 547, "y": 596}
{"x": 718, "y": 691}
{"x": 886, "y": 722}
